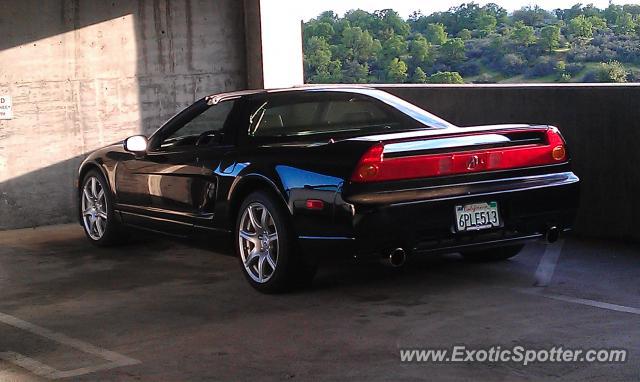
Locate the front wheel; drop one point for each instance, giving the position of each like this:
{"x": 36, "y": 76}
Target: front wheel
{"x": 96, "y": 208}
{"x": 493, "y": 254}
{"x": 266, "y": 248}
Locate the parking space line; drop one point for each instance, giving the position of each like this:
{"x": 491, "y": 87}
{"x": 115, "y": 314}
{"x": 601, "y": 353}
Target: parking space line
{"x": 38, "y": 368}
{"x": 581, "y": 301}
{"x": 548, "y": 262}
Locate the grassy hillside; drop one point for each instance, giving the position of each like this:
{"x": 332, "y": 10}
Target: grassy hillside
{"x": 472, "y": 43}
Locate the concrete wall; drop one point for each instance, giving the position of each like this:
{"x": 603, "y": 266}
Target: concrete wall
{"x": 600, "y": 122}
{"x": 84, "y": 74}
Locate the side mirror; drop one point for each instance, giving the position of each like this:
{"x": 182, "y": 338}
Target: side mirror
{"x": 137, "y": 144}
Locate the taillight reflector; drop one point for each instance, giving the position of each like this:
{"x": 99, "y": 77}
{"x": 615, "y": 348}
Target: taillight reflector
{"x": 374, "y": 167}
{"x": 314, "y": 204}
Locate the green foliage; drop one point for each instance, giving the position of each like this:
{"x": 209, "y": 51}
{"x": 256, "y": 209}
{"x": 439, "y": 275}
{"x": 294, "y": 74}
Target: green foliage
{"x": 465, "y": 34}
{"x": 446, "y": 78}
{"x": 612, "y": 71}
{"x": 480, "y": 43}
{"x": 597, "y": 22}
{"x": 453, "y": 50}
{"x": 561, "y": 72}
{"x": 581, "y": 27}
{"x": 612, "y": 13}
{"x": 487, "y": 24}
{"x": 436, "y": 34}
{"x": 394, "y": 47}
{"x": 397, "y": 71}
{"x": 531, "y": 16}
{"x": 523, "y": 34}
{"x": 564, "y": 77}
{"x": 419, "y": 76}
{"x": 390, "y": 21}
{"x": 421, "y": 51}
{"x": 355, "y": 73}
{"x": 549, "y": 37}
{"x": 625, "y": 24}
{"x": 359, "y": 45}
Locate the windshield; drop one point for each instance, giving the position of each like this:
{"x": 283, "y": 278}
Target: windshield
{"x": 339, "y": 111}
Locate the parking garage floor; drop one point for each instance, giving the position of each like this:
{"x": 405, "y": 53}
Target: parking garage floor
{"x": 158, "y": 309}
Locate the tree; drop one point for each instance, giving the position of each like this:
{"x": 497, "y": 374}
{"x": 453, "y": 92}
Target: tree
{"x": 331, "y": 75}
{"x": 394, "y": 47}
{"x": 319, "y": 29}
{"x": 360, "y": 19}
{"x": 318, "y": 64}
{"x": 354, "y": 72}
{"x": 466, "y": 16}
{"x": 568, "y": 14}
{"x": 531, "y": 16}
{"x": 359, "y": 45}
{"x": 612, "y": 71}
{"x": 549, "y": 37}
{"x": 453, "y": 50}
{"x": 523, "y": 34}
{"x": 496, "y": 11}
{"x": 612, "y": 13}
{"x": 625, "y": 24}
{"x": 419, "y": 76}
{"x": 446, "y": 78}
{"x": 487, "y": 24}
{"x": 390, "y": 22}
{"x": 397, "y": 71}
{"x": 597, "y": 22}
{"x": 317, "y": 54}
{"x": 420, "y": 51}
{"x": 465, "y": 34}
{"x": 581, "y": 27}
{"x": 436, "y": 34}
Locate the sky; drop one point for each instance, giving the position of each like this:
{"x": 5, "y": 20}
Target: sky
{"x": 311, "y": 8}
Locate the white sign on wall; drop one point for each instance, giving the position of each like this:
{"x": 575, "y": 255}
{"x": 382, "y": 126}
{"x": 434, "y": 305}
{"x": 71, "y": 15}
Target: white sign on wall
{"x": 6, "y": 111}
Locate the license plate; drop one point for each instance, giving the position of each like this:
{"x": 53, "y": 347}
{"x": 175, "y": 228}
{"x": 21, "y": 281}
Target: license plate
{"x": 477, "y": 216}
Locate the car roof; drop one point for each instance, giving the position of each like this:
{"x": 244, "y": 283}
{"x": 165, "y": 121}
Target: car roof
{"x": 215, "y": 98}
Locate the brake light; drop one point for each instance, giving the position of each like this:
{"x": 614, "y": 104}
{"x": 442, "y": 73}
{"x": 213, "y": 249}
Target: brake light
{"x": 374, "y": 167}
{"x": 369, "y": 164}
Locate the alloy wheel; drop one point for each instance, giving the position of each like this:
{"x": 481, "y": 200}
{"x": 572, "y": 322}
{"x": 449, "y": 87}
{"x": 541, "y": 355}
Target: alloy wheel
{"x": 258, "y": 239}
{"x": 94, "y": 208}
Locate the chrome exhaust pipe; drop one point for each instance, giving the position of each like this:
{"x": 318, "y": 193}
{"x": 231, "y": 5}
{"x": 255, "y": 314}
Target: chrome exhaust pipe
{"x": 397, "y": 257}
{"x": 552, "y": 234}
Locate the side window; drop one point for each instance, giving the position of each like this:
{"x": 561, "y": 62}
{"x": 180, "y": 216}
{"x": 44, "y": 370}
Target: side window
{"x": 211, "y": 120}
{"x": 318, "y": 114}
{"x": 355, "y": 112}
{"x": 280, "y": 120}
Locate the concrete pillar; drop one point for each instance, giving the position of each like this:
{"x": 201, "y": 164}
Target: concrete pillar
{"x": 274, "y": 44}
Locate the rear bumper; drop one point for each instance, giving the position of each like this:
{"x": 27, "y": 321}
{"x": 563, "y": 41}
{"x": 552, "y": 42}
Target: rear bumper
{"x": 424, "y": 220}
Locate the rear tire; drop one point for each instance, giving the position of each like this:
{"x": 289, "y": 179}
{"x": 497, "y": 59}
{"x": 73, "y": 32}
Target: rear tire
{"x": 97, "y": 213}
{"x": 493, "y": 254}
{"x": 266, "y": 246}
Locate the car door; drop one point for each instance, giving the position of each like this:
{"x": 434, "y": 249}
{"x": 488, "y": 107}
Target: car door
{"x": 166, "y": 189}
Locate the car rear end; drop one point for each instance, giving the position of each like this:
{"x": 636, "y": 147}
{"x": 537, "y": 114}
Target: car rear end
{"x": 458, "y": 189}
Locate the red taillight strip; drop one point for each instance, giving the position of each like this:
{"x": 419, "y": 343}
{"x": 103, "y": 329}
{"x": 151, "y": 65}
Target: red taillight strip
{"x": 373, "y": 167}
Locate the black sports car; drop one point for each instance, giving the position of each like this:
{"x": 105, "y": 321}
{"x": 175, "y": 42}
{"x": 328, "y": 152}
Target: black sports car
{"x": 300, "y": 175}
